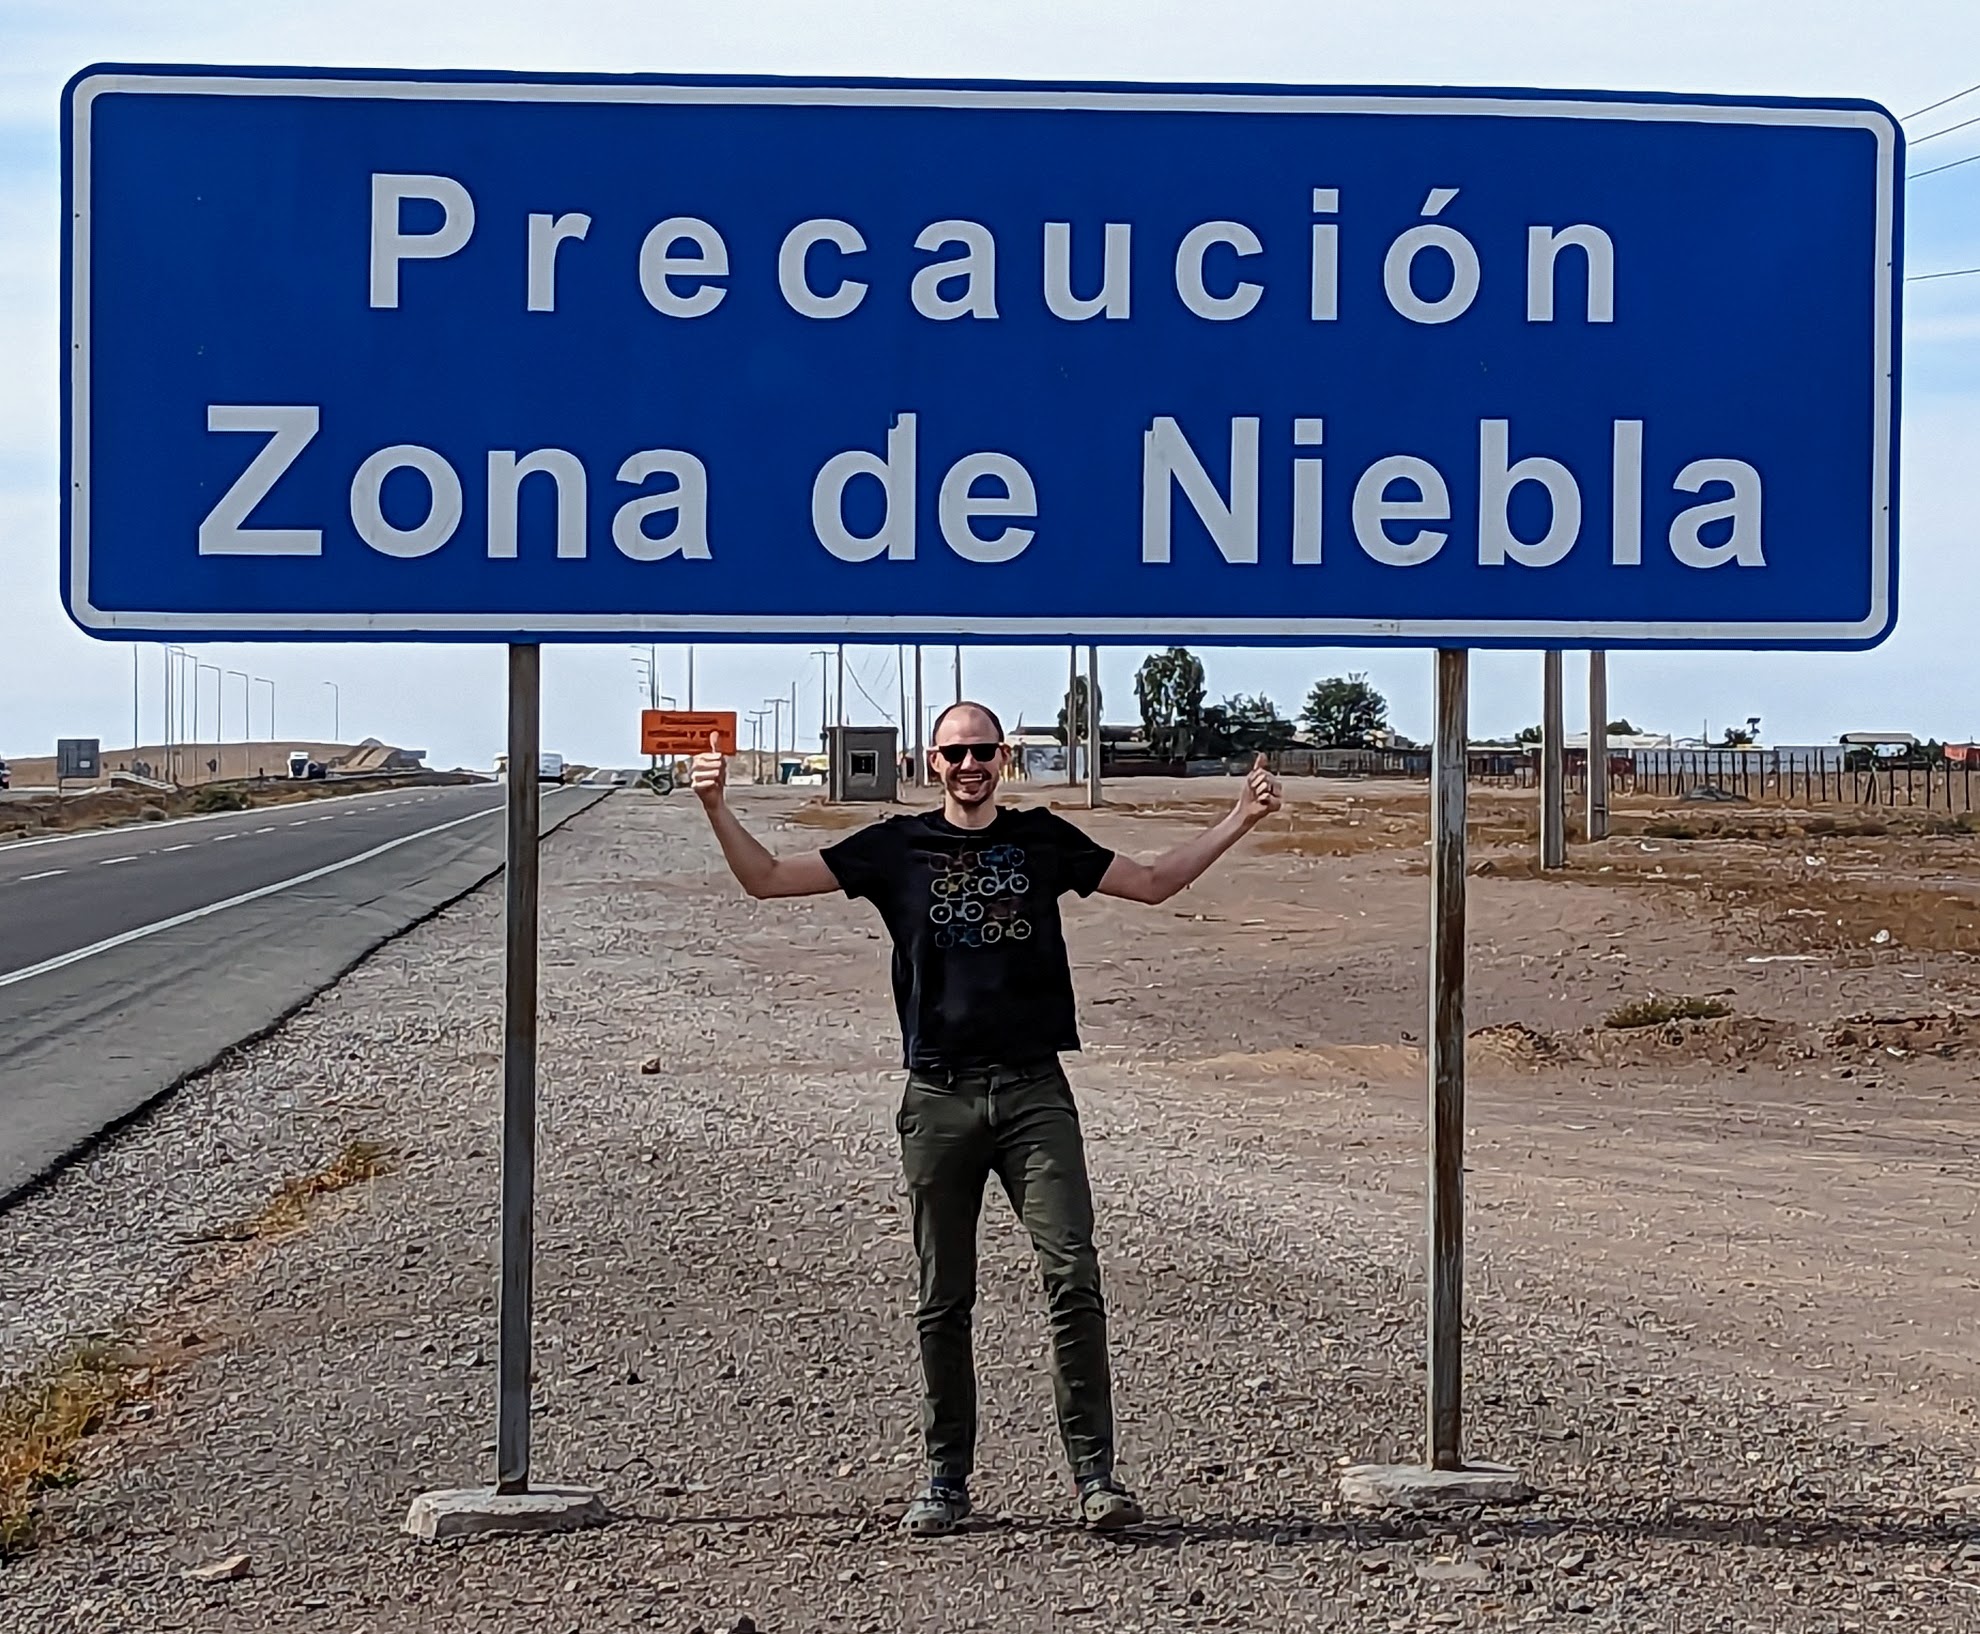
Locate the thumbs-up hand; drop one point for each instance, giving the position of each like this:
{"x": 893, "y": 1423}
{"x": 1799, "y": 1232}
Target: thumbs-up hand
{"x": 710, "y": 773}
{"x": 1260, "y": 796}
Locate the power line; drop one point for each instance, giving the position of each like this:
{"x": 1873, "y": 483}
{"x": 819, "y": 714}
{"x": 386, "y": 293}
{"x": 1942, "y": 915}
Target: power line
{"x": 1933, "y": 136}
{"x": 885, "y": 714}
{"x": 1969, "y": 159}
{"x": 1957, "y": 272}
{"x": 1943, "y": 101}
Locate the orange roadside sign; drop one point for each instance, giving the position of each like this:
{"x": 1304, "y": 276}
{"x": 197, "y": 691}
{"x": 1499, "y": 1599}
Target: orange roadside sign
{"x": 685, "y": 731}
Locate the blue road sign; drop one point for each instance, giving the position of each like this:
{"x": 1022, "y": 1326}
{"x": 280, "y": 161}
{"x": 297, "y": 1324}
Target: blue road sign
{"x": 442, "y": 355}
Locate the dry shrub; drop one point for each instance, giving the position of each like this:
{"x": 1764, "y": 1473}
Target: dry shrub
{"x": 358, "y": 1161}
{"x": 44, "y": 1421}
{"x": 1655, "y": 1012}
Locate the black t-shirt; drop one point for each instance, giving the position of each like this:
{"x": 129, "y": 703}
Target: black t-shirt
{"x": 980, "y": 971}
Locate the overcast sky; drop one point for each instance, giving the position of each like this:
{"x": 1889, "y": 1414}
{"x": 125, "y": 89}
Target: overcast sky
{"x": 1903, "y": 53}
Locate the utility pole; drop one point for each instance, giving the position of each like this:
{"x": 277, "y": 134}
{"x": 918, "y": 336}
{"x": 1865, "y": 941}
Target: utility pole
{"x": 823, "y": 655}
{"x": 1075, "y": 725}
{"x": 841, "y": 694}
{"x": 1093, "y": 800}
{"x": 1598, "y": 746}
{"x": 958, "y": 672}
{"x": 1553, "y": 797}
{"x": 690, "y": 702}
{"x": 134, "y": 705}
{"x": 776, "y": 708}
{"x": 920, "y": 727}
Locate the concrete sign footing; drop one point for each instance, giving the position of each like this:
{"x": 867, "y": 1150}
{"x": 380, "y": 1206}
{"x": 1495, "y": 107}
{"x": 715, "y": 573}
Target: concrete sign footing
{"x": 464, "y": 1512}
{"x": 1415, "y": 1487}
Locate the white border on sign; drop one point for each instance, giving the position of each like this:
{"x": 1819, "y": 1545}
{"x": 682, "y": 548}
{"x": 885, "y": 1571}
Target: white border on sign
{"x": 1449, "y": 632}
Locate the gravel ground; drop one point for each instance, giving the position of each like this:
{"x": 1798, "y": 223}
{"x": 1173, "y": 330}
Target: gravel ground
{"x": 725, "y": 1339}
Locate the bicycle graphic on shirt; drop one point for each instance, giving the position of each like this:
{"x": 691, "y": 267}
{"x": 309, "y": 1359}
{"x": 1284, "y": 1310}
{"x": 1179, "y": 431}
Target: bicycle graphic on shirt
{"x": 977, "y": 897}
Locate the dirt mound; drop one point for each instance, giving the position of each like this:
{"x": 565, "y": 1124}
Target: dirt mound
{"x": 1949, "y": 1034}
{"x": 1523, "y": 1045}
{"x": 1723, "y": 1038}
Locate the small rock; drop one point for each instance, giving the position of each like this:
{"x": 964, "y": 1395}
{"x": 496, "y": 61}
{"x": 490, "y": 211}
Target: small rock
{"x": 650, "y": 1065}
{"x": 222, "y": 1571}
{"x": 1459, "y": 1574}
{"x": 1961, "y": 1494}
{"x": 745, "y": 1624}
{"x": 1572, "y": 1561}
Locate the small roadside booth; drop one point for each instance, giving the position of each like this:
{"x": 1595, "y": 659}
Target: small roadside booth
{"x": 862, "y": 762}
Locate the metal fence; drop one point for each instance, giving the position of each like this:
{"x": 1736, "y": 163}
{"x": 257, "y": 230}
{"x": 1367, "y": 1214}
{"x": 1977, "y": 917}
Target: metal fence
{"x": 1819, "y": 774}
{"x": 1803, "y": 777}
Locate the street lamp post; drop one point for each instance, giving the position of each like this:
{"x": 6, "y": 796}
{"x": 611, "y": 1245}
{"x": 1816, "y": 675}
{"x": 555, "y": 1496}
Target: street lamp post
{"x": 263, "y": 681}
{"x": 247, "y": 708}
{"x": 336, "y": 712}
{"x": 175, "y": 704}
{"x": 824, "y": 657}
{"x": 219, "y": 685}
{"x": 776, "y": 708}
{"x": 647, "y": 667}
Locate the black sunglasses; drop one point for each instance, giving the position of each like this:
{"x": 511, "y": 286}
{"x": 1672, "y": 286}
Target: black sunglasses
{"x": 953, "y": 752}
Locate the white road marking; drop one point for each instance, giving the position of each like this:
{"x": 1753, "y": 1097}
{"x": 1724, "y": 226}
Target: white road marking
{"x": 187, "y": 846}
{"x": 47, "y": 874}
{"x": 219, "y": 837}
{"x": 125, "y": 937}
{"x": 268, "y": 830}
{"x": 298, "y": 823}
{"x": 168, "y": 822}
{"x": 111, "y": 862}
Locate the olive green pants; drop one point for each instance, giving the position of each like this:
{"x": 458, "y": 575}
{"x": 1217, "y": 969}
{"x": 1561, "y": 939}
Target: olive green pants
{"x": 1020, "y": 1124}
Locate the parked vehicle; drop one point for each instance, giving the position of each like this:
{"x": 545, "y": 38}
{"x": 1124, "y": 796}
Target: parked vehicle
{"x": 6, "y": 777}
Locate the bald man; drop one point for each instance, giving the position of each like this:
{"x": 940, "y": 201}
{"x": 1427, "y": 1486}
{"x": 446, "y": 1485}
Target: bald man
{"x": 970, "y": 895}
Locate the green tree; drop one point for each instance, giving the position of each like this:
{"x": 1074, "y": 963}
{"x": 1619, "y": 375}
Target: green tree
{"x": 1527, "y": 734}
{"x": 1073, "y": 710}
{"x": 1344, "y": 712}
{"x": 1737, "y": 737}
{"x": 1621, "y": 729}
{"x": 1244, "y": 726}
{"x": 1169, "y": 686}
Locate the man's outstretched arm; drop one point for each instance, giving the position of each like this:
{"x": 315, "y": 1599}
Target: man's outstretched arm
{"x": 1183, "y": 865}
{"x": 756, "y": 870}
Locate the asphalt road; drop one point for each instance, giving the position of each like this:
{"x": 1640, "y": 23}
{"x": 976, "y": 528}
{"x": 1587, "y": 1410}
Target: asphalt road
{"x": 132, "y": 958}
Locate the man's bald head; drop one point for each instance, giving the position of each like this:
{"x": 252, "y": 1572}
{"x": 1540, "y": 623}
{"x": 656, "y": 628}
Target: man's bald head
{"x": 972, "y": 723}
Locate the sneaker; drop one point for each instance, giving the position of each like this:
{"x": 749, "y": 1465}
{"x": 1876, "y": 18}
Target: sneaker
{"x": 1106, "y": 1505}
{"x": 937, "y": 1510}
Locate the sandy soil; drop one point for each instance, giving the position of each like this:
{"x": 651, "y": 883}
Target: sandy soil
{"x": 1799, "y": 1182}
{"x": 1723, "y": 1305}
